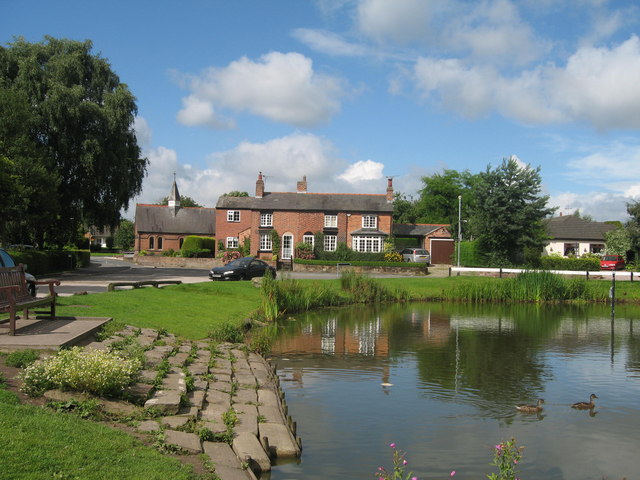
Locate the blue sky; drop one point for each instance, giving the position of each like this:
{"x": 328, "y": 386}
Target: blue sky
{"x": 348, "y": 92}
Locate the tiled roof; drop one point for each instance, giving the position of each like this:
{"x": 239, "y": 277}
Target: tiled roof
{"x": 401, "y": 229}
{"x": 189, "y": 220}
{"x": 570, "y": 227}
{"x": 324, "y": 202}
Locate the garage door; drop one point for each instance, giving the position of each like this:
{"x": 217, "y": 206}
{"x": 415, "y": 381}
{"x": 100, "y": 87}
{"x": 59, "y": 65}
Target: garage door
{"x": 442, "y": 251}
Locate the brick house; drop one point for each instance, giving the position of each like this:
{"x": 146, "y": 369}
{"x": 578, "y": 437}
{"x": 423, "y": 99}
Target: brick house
{"x": 362, "y": 221}
{"x": 163, "y": 227}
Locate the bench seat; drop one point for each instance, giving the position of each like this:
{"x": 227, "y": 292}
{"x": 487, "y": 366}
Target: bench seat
{"x": 15, "y": 297}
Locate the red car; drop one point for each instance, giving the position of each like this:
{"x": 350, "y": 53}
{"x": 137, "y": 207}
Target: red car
{"x": 612, "y": 262}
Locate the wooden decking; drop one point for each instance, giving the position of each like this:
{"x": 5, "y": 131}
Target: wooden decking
{"x": 47, "y": 334}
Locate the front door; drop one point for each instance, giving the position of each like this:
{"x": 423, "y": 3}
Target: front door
{"x": 287, "y": 246}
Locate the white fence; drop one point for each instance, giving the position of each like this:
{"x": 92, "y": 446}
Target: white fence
{"x": 601, "y": 274}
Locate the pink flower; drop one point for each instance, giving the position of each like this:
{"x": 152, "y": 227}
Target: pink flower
{"x": 404, "y": 462}
{"x": 392, "y": 445}
{"x": 453, "y": 472}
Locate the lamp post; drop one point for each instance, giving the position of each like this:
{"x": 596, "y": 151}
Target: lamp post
{"x": 459, "y": 226}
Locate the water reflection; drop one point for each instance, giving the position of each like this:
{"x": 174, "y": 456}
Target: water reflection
{"x": 446, "y": 379}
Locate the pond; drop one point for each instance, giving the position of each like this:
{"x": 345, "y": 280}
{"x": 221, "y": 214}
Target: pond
{"x": 442, "y": 382}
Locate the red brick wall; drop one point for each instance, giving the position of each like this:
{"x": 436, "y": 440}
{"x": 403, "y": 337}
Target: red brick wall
{"x": 169, "y": 241}
{"x": 226, "y": 229}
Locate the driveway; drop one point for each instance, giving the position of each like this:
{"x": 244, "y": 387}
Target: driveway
{"x": 104, "y": 270}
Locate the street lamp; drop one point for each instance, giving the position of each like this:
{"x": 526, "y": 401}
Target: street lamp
{"x": 459, "y": 226}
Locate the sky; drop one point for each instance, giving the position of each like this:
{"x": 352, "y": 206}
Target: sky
{"x": 349, "y": 92}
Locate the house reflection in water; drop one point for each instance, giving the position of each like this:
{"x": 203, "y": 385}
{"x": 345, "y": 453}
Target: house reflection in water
{"x": 344, "y": 341}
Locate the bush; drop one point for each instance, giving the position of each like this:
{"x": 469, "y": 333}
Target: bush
{"x": 170, "y": 253}
{"x": 21, "y": 358}
{"x": 200, "y": 247}
{"x": 227, "y": 332}
{"x": 49, "y": 261}
{"x": 230, "y": 255}
{"x": 92, "y": 371}
{"x": 556, "y": 262}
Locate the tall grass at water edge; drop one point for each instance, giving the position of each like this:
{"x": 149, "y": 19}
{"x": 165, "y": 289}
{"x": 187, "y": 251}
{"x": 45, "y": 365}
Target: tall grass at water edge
{"x": 532, "y": 286}
{"x": 291, "y": 296}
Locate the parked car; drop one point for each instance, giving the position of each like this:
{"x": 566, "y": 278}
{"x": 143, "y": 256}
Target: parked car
{"x": 7, "y": 260}
{"x": 415, "y": 254}
{"x": 244, "y": 268}
{"x": 612, "y": 262}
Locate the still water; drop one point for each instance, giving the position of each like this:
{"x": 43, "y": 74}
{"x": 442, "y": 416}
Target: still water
{"x": 441, "y": 381}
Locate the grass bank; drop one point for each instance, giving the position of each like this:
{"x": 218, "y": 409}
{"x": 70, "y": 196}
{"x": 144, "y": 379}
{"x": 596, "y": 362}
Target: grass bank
{"x": 39, "y": 443}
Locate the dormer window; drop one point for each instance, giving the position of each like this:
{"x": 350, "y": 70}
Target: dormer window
{"x": 369, "y": 221}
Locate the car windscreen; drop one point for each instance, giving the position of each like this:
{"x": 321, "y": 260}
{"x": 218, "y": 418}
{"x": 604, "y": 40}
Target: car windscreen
{"x": 240, "y": 262}
{"x": 422, "y": 252}
{"x": 610, "y": 258}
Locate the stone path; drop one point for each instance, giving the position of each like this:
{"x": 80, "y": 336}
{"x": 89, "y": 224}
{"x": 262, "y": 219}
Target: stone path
{"x": 227, "y": 396}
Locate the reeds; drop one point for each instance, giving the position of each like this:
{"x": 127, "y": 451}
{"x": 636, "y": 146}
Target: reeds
{"x": 293, "y": 296}
{"x": 531, "y": 286}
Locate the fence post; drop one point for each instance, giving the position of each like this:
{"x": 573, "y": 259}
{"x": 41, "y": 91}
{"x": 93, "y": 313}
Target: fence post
{"x": 500, "y": 274}
{"x": 449, "y": 270}
{"x": 587, "y": 275}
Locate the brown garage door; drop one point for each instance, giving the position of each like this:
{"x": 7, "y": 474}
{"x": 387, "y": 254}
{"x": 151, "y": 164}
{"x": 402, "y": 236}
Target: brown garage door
{"x": 441, "y": 251}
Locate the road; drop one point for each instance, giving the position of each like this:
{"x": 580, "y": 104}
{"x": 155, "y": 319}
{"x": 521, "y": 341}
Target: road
{"x": 104, "y": 270}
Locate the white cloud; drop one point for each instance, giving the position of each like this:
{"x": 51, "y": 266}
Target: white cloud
{"x": 362, "y": 171}
{"x": 601, "y": 206}
{"x": 329, "y": 43}
{"x": 143, "y": 131}
{"x": 597, "y": 85}
{"x": 282, "y": 87}
{"x": 283, "y": 161}
{"x": 400, "y": 20}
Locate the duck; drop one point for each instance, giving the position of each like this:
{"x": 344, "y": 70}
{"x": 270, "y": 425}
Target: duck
{"x": 531, "y": 408}
{"x": 586, "y": 405}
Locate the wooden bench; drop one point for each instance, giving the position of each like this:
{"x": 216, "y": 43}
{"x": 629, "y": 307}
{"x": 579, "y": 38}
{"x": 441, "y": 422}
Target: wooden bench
{"x": 14, "y": 295}
{"x": 147, "y": 283}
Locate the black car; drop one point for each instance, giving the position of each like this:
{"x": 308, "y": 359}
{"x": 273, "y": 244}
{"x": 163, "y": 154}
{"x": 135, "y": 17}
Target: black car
{"x": 7, "y": 261}
{"x": 243, "y": 268}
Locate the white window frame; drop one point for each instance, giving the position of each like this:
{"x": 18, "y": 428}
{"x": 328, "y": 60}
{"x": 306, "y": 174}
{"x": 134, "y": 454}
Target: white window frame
{"x": 232, "y": 242}
{"x": 310, "y": 239}
{"x": 330, "y": 243}
{"x": 266, "y": 244}
{"x": 369, "y": 221}
{"x": 371, "y": 244}
{"x": 233, "y": 216}
{"x": 266, "y": 219}
{"x": 330, "y": 221}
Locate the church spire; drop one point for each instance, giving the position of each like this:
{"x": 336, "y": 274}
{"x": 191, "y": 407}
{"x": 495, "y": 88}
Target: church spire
{"x": 174, "y": 197}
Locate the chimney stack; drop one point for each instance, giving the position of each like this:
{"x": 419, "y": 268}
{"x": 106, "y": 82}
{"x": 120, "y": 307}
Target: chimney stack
{"x": 302, "y": 186}
{"x": 259, "y": 186}
{"x": 389, "y": 190}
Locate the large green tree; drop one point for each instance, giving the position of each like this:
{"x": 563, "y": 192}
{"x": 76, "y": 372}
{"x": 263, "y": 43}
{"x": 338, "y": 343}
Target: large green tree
{"x": 67, "y": 142}
{"x": 508, "y": 211}
{"x": 633, "y": 228}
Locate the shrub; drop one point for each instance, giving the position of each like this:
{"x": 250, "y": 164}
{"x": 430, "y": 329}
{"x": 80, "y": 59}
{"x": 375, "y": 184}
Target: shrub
{"x": 227, "y": 332}
{"x": 22, "y": 358}
{"x": 201, "y": 247}
{"x": 304, "y": 251}
{"x": 92, "y": 371}
{"x": 169, "y": 253}
{"x": 230, "y": 255}
{"x": 556, "y": 262}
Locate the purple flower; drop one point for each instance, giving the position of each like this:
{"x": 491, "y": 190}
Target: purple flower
{"x": 392, "y": 445}
{"x": 453, "y": 472}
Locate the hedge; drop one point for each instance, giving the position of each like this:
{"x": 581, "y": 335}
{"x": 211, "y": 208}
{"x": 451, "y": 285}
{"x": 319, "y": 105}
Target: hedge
{"x": 41, "y": 262}
{"x": 200, "y": 247}
{"x": 556, "y": 262}
{"x": 360, "y": 263}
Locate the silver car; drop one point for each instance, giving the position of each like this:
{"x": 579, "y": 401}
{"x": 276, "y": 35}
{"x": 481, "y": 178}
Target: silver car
{"x": 415, "y": 254}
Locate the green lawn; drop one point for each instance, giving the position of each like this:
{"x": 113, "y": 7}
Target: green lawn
{"x": 38, "y": 443}
{"x": 189, "y": 310}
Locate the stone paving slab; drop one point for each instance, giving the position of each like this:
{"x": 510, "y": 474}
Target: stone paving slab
{"x": 213, "y": 412}
{"x": 221, "y": 453}
{"x": 166, "y": 401}
{"x": 178, "y": 359}
{"x": 270, "y": 413}
{"x": 175, "y": 421}
{"x": 149, "y": 426}
{"x": 218, "y": 397}
{"x": 248, "y": 449}
{"x": 281, "y": 444}
{"x": 187, "y": 441}
{"x": 220, "y": 386}
{"x": 231, "y": 473}
{"x": 196, "y": 398}
{"x": 217, "y": 427}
